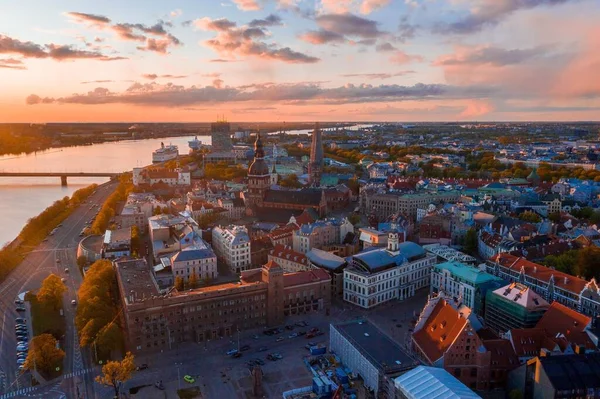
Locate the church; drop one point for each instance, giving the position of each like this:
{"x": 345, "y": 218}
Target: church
{"x": 267, "y": 203}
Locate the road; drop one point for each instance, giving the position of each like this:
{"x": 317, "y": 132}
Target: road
{"x": 52, "y": 256}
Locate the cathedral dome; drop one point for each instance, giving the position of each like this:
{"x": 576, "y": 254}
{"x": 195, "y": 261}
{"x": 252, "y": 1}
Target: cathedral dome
{"x": 258, "y": 167}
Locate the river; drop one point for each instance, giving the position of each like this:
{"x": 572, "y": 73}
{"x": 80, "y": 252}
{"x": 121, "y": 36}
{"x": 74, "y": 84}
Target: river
{"x": 23, "y": 198}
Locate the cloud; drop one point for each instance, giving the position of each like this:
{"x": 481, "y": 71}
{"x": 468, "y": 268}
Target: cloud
{"x": 476, "y": 108}
{"x": 490, "y": 12}
{"x": 384, "y": 47}
{"x": 97, "y": 81}
{"x": 270, "y": 20}
{"x": 247, "y": 5}
{"x": 56, "y": 52}
{"x": 219, "y": 60}
{"x": 98, "y": 39}
{"x": 218, "y": 83}
{"x": 93, "y": 18}
{"x": 232, "y": 41}
{"x": 406, "y": 31}
{"x": 152, "y": 76}
{"x": 211, "y": 75}
{"x": 170, "y": 95}
{"x": 322, "y": 36}
{"x": 400, "y": 57}
{"x": 176, "y": 13}
{"x": 349, "y": 25}
{"x": 373, "y": 76}
{"x": 368, "y": 6}
{"x": 12, "y": 63}
{"x": 490, "y": 55}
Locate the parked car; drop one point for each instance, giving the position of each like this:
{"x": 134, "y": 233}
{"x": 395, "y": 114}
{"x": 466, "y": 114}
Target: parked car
{"x": 263, "y": 349}
{"x": 279, "y": 339}
{"x": 22, "y": 340}
{"x": 260, "y": 362}
{"x": 18, "y": 302}
{"x": 231, "y": 352}
{"x": 21, "y": 309}
{"x": 255, "y": 336}
{"x": 67, "y": 270}
{"x": 20, "y": 361}
{"x": 73, "y": 302}
{"x": 293, "y": 335}
{"x": 63, "y": 279}
{"x": 189, "y": 379}
{"x": 142, "y": 367}
{"x": 289, "y": 327}
{"x": 159, "y": 385}
{"x": 245, "y": 348}
{"x": 22, "y": 347}
{"x": 20, "y": 320}
{"x": 236, "y": 355}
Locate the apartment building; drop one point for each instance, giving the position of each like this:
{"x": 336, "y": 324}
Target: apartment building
{"x": 232, "y": 246}
{"x": 320, "y": 234}
{"x": 289, "y": 260}
{"x": 384, "y": 204}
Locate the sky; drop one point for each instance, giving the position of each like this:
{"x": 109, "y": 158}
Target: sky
{"x": 299, "y": 60}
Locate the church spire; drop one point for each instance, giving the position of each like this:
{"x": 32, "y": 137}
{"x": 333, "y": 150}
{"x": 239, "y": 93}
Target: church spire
{"x": 259, "y": 152}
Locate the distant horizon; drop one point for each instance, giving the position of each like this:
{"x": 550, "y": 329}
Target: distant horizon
{"x": 313, "y": 121}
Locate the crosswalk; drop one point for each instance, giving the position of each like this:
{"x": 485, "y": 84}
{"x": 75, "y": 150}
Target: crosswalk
{"x": 19, "y": 393}
{"x": 78, "y": 373}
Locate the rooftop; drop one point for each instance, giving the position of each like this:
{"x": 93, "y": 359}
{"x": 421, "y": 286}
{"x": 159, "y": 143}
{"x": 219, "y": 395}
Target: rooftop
{"x": 573, "y": 372}
{"x": 118, "y": 235}
{"x": 325, "y": 259}
{"x": 432, "y": 383}
{"x": 304, "y": 277}
{"x": 381, "y": 351}
{"x": 467, "y": 273}
{"x": 523, "y": 296}
{"x": 136, "y": 280}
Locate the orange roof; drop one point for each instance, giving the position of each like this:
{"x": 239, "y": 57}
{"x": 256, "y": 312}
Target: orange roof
{"x": 563, "y": 280}
{"x": 282, "y": 232}
{"x": 285, "y": 252}
{"x": 502, "y": 353}
{"x": 442, "y": 327}
{"x": 271, "y": 265}
{"x": 310, "y": 276}
{"x": 560, "y": 319}
{"x": 529, "y": 341}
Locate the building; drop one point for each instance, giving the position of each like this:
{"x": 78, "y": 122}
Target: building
{"x": 468, "y": 283}
{"x": 371, "y": 354}
{"x": 315, "y": 166}
{"x": 380, "y": 275}
{"x": 117, "y": 243}
{"x": 199, "y": 259}
{"x": 150, "y": 177}
{"x": 138, "y": 208}
{"x": 170, "y": 233}
{"x": 387, "y": 203}
{"x": 569, "y": 376}
{"x": 332, "y": 264}
{"x": 430, "y": 382}
{"x": 289, "y": 260}
{"x": 552, "y": 285}
{"x": 320, "y": 234}
{"x": 513, "y": 306}
{"x": 375, "y": 238}
{"x": 232, "y": 246}
{"x": 447, "y": 335}
{"x": 444, "y": 254}
{"x": 221, "y": 146}
{"x": 156, "y": 320}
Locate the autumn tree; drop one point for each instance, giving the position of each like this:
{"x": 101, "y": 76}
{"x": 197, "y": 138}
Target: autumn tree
{"x": 43, "y": 354}
{"x": 115, "y": 373}
{"x": 136, "y": 241}
{"x": 109, "y": 337}
{"x": 179, "y": 286}
{"x": 51, "y": 292}
{"x": 193, "y": 280}
{"x": 82, "y": 261}
{"x": 587, "y": 264}
{"x": 471, "y": 242}
{"x": 530, "y": 216}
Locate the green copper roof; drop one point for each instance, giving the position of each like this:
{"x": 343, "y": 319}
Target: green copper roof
{"x": 466, "y": 273}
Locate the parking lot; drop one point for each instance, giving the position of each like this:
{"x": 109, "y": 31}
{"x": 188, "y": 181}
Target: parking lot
{"x": 221, "y": 376}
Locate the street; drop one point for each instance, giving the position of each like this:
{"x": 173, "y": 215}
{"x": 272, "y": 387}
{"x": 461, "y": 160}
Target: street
{"x": 35, "y": 267}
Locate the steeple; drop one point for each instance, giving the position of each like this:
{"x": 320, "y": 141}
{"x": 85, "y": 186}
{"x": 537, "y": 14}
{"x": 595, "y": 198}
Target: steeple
{"x": 259, "y": 152}
{"x": 315, "y": 166}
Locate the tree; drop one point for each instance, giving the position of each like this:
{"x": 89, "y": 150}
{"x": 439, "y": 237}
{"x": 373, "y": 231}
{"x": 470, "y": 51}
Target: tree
{"x": 136, "y": 240}
{"x": 471, "y": 241}
{"x": 43, "y": 354}
{"x": 193, "y": 280}
{"x": 51, "y": 292}
{"x": 554, "y": 217}
{"x": 115, "y": 373}
{"x": 354, "y": 218}
{"x": 82, "y": 261}
{"x": 290, "y": 181}
{"x": 587, "y": 264}
{"x": 110, "y": 337}
{"x": 179, "y": 283}
{"x": 529, "y": 216}
{"x": 354, "y": 185}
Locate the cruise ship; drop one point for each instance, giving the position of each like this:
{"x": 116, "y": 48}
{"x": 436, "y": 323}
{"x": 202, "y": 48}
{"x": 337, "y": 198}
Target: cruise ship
{"x": 195, "y": 144}
{"x": 164, "y": 154}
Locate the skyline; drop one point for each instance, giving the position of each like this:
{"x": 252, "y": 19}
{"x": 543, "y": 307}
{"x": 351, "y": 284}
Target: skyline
{"x": 294, "y": 60}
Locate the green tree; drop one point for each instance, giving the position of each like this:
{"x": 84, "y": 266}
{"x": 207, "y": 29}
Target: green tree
{"x": 529, "y": 216}
{"x": 179, "y": 285}
{"x": 51, "y": 292}
{"x": 564, "y": 262}
{"x": 44, "y": 355}
{"x": 354, "y": 218}
{"x": 471, "y": 241}
{"x": 115, "y": 373}
{"x": 110, "y": 337}
{"x": 353, "y": 185}
{"x": 290, "y": 181}
{"x": 208, "y": 219}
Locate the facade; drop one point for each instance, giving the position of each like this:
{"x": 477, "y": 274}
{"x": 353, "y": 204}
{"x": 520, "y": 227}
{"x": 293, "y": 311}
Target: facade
{"x": 552, "y": 285}
{"x": 332, "y": 264}
{"x": 459, "y": 280}
{"x": 380, "y": 275}
{"x": 116, "y": 243}
{"x": 315, "y": 166}
{"x": 289, "y": 260}
{"x": 232, "y": 246}
{"x": 198, "y": 259}
{"x": 220, "y": 134}
{"x": 371, "y": 354}
{"x": 155, "y": 176}
{"x": 513, "y": 306}
{"x": 156, "y": 320}
{"x": 385, "y": 204}
{"x": 430, "y": 382}
{"x": 320, "y": 234}
{"x": 138, "y": 208}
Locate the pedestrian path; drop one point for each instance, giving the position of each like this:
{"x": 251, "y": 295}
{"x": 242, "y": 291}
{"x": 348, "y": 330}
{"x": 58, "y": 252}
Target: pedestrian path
{"x": 79, "y": 372}
{"x": 20, "y": 392}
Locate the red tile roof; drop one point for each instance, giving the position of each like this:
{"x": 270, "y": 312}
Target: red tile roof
{"x": 282, "y": 232}
{"x": 529, "y": 341}
{"x": 491, "y": 240}
{"x": 561, "y": 320}
{"x": 563, "y": 280}
{"x": 285, "y": 252}
{"x": 441, "y": 329}
{"x": 502, "y": 353}
{"x": 310, "y": 276}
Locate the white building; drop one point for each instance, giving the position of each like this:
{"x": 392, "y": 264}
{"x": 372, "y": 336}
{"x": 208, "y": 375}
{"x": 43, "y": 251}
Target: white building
{"x": 289, "y": 260}
{"x": 380, "y": 275}
{"x": 232, "y": 246}
{"x": 152, "y": 176}
{"x": 199, "y": 259}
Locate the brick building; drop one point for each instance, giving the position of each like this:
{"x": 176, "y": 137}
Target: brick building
{"x": 160, "y": 320}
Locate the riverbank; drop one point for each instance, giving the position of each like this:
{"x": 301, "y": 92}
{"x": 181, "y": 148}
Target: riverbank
{"x": 38, "y": 228}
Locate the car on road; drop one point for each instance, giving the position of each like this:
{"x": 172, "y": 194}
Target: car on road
{"x": 255, "y": 336}
{"x": 189, "y": 379}
{"x": 21, "y": 309}
{"x": 231, "y": 352}
{"x": 57, "y": 260}
{"x": 260, "y": 362}
{"x": 142, "y": 367}
{"x": 45, "y": 240}
{"x": 20, "y": 320}
{"x": 263, "y": 349}
{"x": 236, "y": 355}
{"x": 279, "y": 339}
{"x": 159, "y": 385}
{"x": 18, "y": 302}
{"x": 245, "y": 348}
{"x": 293, "y": 335}
{"x": 73, "y": 302}
{"x": 67, "y": 270}
{"x": 63, "y": 279}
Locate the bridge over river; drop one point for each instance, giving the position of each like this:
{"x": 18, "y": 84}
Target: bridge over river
{"x": 63, "y": 175}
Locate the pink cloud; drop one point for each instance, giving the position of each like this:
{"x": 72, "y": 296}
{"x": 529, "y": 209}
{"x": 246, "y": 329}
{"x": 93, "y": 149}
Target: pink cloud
{"x": 368, "y": 6}
{"x": 400, "y": 57}
{"x": 476, "y": 108}
{"x": 247, "y": 5}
